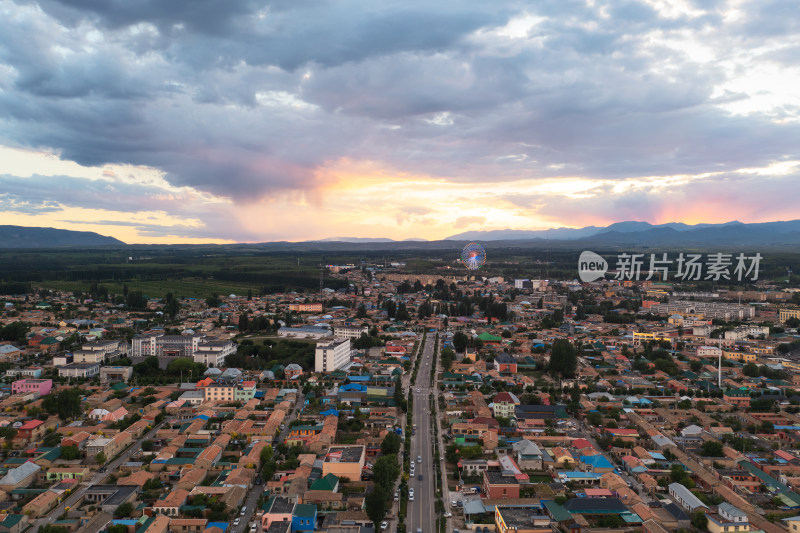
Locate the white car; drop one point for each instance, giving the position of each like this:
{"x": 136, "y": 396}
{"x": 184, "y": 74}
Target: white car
{"x": 419, "y": 458}
{"x": 448, "y": 514}
{"x": 411, "y": 494}
{"x": 384, "y": 524}
{"x": 236, "y": 522}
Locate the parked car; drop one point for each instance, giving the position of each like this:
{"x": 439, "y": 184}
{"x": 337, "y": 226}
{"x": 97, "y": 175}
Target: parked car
{"x": 384, "y": 524}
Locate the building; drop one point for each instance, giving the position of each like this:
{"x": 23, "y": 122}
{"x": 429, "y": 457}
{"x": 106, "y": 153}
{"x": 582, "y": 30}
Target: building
{"x": 41, "y": 387}
{"x": 100, "y": 351}
{"x": 161, "y": 345}
{"x": 711, "y": 352}
{"x": 305, "y": 307}
{"x": 332, "y": 355}
{"x": 79, "y": 370}
{"x": 349, "y": 332}
{"x": 503, "y": 405}
{"x": 111, "y": 374}
{"x": 345, "y": 461}
{"x": 786, "y": 314}
{"x": 304, "y": 517}
{"x": 728, "y": 519}
{"x": 277, "y": 510}
{"x": 212, "y": 353}
{"x": 305, "y": 332}
{"x": 521, "y": 520}
{"x": 685, "y": 498}
{"x": 9, "y": 353}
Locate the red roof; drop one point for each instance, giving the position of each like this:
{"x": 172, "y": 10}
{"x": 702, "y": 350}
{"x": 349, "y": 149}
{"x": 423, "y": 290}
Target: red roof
{"x": 580, "y": 444}
{"x": 32, "y": 424}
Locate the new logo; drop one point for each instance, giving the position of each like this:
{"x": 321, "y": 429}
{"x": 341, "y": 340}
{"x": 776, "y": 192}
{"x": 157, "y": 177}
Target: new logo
{"x": 591, "y": 267}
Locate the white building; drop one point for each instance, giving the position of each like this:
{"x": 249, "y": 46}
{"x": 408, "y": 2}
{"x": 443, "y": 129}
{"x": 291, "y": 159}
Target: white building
{"x": 709, "y": 351}
{"x": 79, "y": 370}
{"x": 332, "y": 355}
{"x": 213, "y": 353}
{"x": 349, "y": 332}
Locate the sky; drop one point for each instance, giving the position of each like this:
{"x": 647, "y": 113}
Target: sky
{"x": 190, "y": 121}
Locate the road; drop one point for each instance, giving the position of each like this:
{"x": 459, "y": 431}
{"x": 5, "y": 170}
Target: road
{"x": 98, "y": 479}
{"x": 421, "y": 513}
{"x": 256, "y": 490}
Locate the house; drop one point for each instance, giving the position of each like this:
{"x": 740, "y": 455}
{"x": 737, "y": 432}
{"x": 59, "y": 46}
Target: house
{"x": 596, "y": 463}
{"x": 41, "y": 387}
{"x": 277, "y": 509}
{"x": 503, "y": 405}
{"x": 728, "y": 519}
{"x": 9, "y": 353}
{"x": 41, "y": 504}
{"x": 685, "y": 498}
{"x": 171, "y": 503}
{"x": 521, "y": 520}
{"x": 13, "y": 523}
{"x": 304, "y": 517}
{"x": 345, "y": 461}
{"x": 505, "y": 364}
{"x": 528, "y": 455}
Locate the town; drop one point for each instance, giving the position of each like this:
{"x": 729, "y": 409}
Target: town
{"x": 403, "y": 402}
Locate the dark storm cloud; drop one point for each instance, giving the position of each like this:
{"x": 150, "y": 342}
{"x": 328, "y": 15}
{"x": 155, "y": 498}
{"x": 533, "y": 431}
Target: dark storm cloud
{"x": 245, "y": 99}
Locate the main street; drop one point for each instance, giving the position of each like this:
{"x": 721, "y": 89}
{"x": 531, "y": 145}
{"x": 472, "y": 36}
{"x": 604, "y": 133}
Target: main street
{"x": 421, "y": 514}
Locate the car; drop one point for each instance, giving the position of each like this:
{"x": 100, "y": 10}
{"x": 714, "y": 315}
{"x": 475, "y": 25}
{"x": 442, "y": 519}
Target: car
{"x": 236, "y": 521}
{"x": 396, "y": 496}
{"x": 259, "y": 481}
{"x": 411, "y": 492}
{"x": 453, "y": 503}
{"x": 460, "y": 503}
{"x": 419, "y": 530}
{"x": 102, "y": 469}
{"x": 384, "y": 524}
{"x": 419, "y": 390}
{"x": 419, "y": 477}
{"x": 253, "y": 528}
{"x": 448, "y": 514}
{"x": 419, "y": 458}
{"x": 244, "y": 510}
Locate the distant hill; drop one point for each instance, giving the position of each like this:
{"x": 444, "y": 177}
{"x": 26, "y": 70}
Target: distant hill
{"x": 672, "y": 233}
{"x": 22, "y": 237}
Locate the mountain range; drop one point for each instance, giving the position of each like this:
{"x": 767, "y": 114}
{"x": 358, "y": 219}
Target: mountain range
{"x": 629, "y": 234}
{"x": 24, "y": 237}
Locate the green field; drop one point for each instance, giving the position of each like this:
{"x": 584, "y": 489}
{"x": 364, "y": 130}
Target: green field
{"x": 184, "y": 288}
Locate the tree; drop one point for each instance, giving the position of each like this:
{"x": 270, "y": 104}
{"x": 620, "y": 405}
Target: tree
{"x": 376, "y": 505}
{"x": 750, "y": 370}
{"x": 460, "y": 341}
{"x": 124, "y": 510}
{"x": 53, "y": 529}
{"x": 147, "y": 445}
{"x": 100, "y": 458}
{"x": 390, "y": 444}
{"x": 700, "y": 520}
{"x": 51, "y": 440}
{"x": 385, "y": 472}
{"x": 362, "y": 311}
{"x": 70, "y": 453}
{"x": 563, "y": 359}
{"x": 244, "y": 322}
{"x": 711, "y": 448}
{"x": 171, "y": 306}
{"x": 66, "y": 404}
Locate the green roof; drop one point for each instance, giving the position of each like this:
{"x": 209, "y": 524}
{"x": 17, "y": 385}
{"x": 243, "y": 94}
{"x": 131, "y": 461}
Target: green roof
{"x": 488, "y": 337}
{"x": 557, "y": 511}
{"x": 304, "y": 510}
{"x": 328, "y": 483}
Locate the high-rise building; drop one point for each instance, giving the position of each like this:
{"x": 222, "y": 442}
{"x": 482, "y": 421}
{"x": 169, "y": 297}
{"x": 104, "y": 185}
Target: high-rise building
{"x": 332, "y": 355}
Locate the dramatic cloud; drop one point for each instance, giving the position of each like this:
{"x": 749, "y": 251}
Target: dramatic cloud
{"x": 298, "y": 119}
